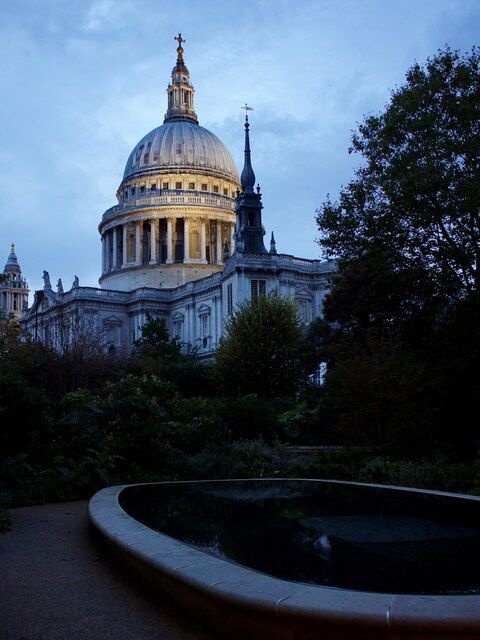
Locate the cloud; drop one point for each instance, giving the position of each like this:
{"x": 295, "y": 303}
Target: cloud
{"x": 106, "y": 14}
{"x": 82, "y": 82}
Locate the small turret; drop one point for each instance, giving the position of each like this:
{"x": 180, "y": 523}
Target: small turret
{"x": 273, "y": 245}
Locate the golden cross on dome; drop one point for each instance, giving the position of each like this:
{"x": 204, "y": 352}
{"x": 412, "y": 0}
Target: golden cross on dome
{"x": 179, "y": 39}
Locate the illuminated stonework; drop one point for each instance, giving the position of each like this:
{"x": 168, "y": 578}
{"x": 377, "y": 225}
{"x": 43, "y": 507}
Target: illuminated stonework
{"x": 185, "y": 243}
{"x": 175, "y": 212}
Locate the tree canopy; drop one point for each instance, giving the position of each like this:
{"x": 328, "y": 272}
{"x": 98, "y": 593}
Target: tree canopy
{"x": 402, "y": 322}
{"x": 416, "y": 199}
{"x": 258, "y": 353}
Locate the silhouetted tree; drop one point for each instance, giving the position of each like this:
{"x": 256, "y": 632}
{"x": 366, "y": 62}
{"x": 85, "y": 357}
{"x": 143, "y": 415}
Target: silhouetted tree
{"x": 259, "y": 352}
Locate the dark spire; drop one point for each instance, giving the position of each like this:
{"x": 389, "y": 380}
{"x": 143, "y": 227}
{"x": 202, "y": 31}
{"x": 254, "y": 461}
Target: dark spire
{"x": 248, "y": 177}
{"x": 273, "y": 245}
{"x": 249, "y": 230}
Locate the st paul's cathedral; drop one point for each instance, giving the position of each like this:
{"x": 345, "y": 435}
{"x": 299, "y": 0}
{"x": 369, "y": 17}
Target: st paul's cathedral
{"x": 185, "y": 242}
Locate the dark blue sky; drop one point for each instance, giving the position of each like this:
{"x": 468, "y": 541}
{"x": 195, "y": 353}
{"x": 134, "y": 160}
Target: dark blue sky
{"x": 84, "y": 80}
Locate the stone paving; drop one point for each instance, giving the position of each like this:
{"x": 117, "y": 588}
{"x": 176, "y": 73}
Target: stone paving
{"x": 57, "y": 582}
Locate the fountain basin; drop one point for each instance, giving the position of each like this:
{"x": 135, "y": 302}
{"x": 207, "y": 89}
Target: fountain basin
{"x": 243, "y": 602}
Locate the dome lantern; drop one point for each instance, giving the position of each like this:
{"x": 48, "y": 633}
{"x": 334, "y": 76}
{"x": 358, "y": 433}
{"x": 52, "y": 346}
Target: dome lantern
{"x": 180, "y": 91}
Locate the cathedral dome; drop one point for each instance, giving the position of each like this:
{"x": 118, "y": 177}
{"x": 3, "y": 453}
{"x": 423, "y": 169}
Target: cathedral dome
{"x": 180, "y": 144}
{"x": 175, "y": 217}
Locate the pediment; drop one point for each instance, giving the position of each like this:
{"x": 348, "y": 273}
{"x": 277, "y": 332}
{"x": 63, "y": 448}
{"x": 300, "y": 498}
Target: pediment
{"x": 304, "y": 293}
{"x": 112, "y": 321}
{"x": 203, "y": 310}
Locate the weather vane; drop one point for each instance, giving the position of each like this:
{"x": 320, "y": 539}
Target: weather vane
{"x": 247, "y": 108}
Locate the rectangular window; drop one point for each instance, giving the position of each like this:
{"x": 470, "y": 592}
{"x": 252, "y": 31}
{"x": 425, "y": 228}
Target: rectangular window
{"x": 165, "y": 185}
{"x": 234, "y": 195}
{"x": 153, "y": 187}
{"x": 204, "y": 321}
{"x": 215, "y": 188}
{"x": 229, "y": 299}
{"x": 257, "y": 288}
{"x": 225, "y": 192}
{"x": 178, "y": 185}
{"x": 132, "y": 190}
{"x": 178, "y": 330}
{"x": 204, "y": 187}
{"x": 304, "y": 310}
{"x": 191, "y": 185}
{"x": 142, "y": 189}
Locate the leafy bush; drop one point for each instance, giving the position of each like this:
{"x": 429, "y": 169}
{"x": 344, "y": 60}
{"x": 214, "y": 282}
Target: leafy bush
{"x": 259, "y": 351}
{"x": 245, "y": 459}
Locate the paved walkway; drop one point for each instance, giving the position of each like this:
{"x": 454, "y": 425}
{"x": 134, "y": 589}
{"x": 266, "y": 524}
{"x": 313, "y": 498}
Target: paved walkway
{"x": 58, "y": 583}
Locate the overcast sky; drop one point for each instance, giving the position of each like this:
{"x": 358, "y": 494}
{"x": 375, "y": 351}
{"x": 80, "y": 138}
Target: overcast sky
{"x": 82, "y": 81}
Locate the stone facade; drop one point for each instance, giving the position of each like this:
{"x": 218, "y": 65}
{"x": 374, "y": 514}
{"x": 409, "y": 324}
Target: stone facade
{"x": 185, "y": 242}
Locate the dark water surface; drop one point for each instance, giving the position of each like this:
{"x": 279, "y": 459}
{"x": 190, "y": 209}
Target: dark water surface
{"x": 332, "y": 534}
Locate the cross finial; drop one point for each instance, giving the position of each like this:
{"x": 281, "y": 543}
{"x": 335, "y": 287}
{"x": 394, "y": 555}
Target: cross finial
{"x": 180, "y": 40}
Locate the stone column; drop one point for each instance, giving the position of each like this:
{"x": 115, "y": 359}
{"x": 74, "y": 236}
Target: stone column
{"x": 186, "y": 239}
{"x": 219, "y": 243}
{"x": 153, "y": 242}
{"x": 125, "y": 245}
{"x": 191, "y": 323}
{"x": 232, "y": 239}
{"x": 114, "y": 252}
{"x": 138, "y": 246}
{"x": 169, "y": 259}
{"x": 203, "y": 254}
{"x": 103, "y": 254}
{"x": 214, "y": 330}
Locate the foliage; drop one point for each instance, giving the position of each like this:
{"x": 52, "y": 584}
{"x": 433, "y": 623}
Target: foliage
{"x": 130, "y": 419}
{"x": 245, "y": 418}
{"x": 416, "y": 198}
{"x": 9, "y": 335}
{"x": 157, "y": 353}
{"x": 156, "y": 341}
{"x": 25, "y": 415}
{"x": 259, "y": 351}
{"x": 401, "y": 334}
{"x": 238, "y": 459}
{"x": 307, "y": 424}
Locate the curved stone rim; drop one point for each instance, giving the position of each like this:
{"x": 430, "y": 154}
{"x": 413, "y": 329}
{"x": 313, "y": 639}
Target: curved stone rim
{"x": 237, "y": 601}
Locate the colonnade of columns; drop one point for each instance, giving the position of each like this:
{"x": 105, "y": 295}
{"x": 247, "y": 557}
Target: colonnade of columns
{"x": 165, "y": 241}
{"x": 13, "y": 300}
